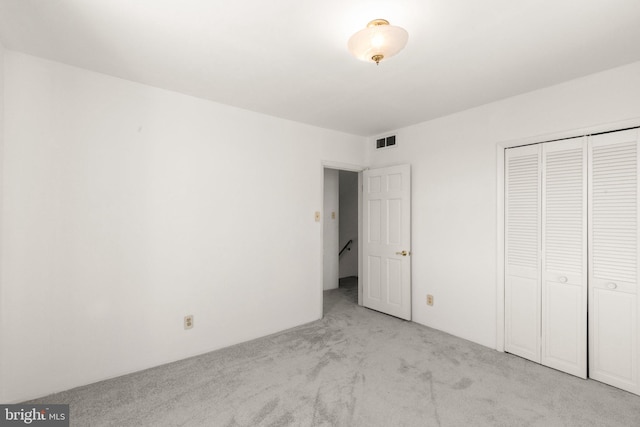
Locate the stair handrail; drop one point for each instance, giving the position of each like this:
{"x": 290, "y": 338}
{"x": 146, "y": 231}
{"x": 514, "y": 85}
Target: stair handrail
{"x": 345, "y": 247}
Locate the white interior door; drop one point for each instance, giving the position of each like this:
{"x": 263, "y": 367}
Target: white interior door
{"x": 564, "y": 256}
{"x": 613, "y": 255}
{"x": 387, "y": 240}
{"x": 522, "y": 251}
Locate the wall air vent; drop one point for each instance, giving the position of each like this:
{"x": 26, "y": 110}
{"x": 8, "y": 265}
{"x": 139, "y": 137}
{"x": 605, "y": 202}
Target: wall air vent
{"x": 389, "y": 141}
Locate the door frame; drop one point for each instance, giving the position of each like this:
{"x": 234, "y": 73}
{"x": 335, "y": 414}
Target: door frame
{"x": 500, "y": 182}
{"x": 326, "y": 164}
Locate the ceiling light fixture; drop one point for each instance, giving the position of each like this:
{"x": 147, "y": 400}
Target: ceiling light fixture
{"x": 378, "y": 41}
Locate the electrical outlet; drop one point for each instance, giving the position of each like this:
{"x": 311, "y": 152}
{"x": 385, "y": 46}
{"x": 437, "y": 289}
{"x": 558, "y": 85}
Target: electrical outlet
{"x": 188, "y": 321}
{"x": 429, "y": 299}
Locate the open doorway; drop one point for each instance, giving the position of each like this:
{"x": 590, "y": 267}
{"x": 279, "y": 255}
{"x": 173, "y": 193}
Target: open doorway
{"x": 384, "y": 214}
{"x": 340, "y": 238}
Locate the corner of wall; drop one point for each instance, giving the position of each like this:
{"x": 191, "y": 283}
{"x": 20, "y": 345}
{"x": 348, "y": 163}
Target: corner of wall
{"x": 2, "y": 369}
{"x": 366, "y": 153}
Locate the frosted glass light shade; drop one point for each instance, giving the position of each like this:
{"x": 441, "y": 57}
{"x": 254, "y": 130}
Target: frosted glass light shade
{"x": 379, "y": 40}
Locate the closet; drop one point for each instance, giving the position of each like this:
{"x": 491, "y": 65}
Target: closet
{"x": 571, "y": 256}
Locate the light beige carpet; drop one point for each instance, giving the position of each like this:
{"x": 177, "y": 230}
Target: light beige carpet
{"x": 355, "y": 367}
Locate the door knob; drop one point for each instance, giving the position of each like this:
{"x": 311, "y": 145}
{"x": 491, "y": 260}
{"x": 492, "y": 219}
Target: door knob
{"x": 403, "y": 253}
{"x": 611, "y": 285}
{"x": 562, "y": 279}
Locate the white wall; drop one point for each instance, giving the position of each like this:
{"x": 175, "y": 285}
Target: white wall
{"x": 453, "y": 163}
{"x": 348, "y": 222}
{"x": 127, "y": 207}
{"x": 330, "y": 229}
{"x": 2, "y": 169}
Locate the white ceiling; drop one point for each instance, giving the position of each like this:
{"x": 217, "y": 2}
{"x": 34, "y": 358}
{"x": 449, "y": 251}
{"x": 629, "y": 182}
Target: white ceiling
{"x": 288, "y": 58}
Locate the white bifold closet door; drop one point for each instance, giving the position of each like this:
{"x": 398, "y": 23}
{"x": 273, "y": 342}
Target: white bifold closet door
{"x": 613, "y": 253}
{"x": 522, "y": 249}
{"x": 546, "y": 254}
{"x": 564, "y": 256}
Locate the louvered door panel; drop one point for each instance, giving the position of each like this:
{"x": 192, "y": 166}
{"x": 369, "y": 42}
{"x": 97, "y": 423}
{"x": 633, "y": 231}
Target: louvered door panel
{"x": 613, "y": 253}
{"x": 522, "y": 248}
{"x": 564, "y": 256}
